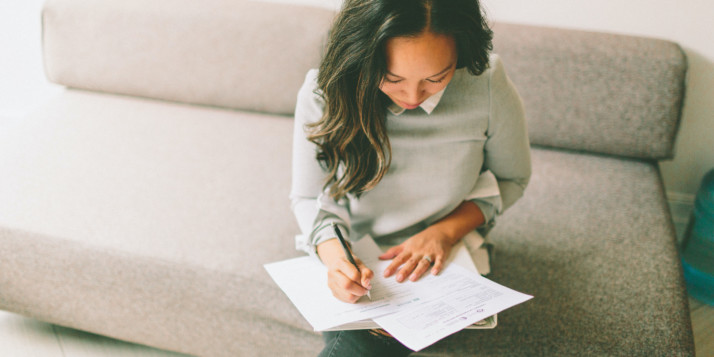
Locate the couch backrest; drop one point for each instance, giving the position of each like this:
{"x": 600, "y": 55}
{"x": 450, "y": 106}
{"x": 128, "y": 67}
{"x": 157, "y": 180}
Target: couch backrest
{"x": 594, "y": 92}
{"x": 236, "y": 54}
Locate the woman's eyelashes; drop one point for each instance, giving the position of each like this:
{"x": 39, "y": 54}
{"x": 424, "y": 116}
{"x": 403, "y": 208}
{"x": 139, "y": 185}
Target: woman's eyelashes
{"x": 395, "y": 81}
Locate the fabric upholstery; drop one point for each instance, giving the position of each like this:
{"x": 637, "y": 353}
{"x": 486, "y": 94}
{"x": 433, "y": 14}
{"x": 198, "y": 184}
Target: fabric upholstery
{"x": 596, "y": 92}
{"x": 248, "y": 55}
{"x": 586, "y": 91}
{"x": 150, "y": 221}
{"x": 592, "y": 241}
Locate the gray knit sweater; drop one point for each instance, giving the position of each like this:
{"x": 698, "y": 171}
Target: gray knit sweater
{"x": 472, "y": 146}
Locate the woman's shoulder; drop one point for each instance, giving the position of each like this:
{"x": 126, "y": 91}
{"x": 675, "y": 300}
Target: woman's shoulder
{"x": 493, "y": 77}
{"x": 310, "y": 83}
{"x": 310, "y": 91}
{"x": 495, "y": 67}
{"x": 311, "y": 76}
{"x": 496, "y": 70}
{"x": 310, "y": 102}
{"x": 495, "y": 63}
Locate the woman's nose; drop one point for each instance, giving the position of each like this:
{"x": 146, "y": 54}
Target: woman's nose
{"x": 413, "y": 94}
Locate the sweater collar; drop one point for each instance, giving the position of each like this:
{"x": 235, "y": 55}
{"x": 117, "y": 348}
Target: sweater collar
{"x": 428, "y": 105}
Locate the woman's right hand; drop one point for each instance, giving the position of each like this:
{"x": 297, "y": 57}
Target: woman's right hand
{"x": 346, "y": 282}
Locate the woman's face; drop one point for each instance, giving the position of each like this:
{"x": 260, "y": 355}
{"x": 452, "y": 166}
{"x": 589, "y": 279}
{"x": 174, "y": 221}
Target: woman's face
{"x": 418, "y": 67}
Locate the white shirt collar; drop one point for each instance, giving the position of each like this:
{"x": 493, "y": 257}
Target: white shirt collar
{"x": 428, "y": 105}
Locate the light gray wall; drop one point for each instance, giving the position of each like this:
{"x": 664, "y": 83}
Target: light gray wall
{"x": 22, "y": 80}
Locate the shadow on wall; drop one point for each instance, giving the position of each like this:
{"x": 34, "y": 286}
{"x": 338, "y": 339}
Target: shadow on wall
{"x": 694, "y": 152}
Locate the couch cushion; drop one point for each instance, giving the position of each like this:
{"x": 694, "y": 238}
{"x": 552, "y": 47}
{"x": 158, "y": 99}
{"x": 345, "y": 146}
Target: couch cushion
{"x": 150, "y": 221}
{"x": 593, "y": 242}
{"x": 248, "y": 55}
{"x": 596, "y": 92}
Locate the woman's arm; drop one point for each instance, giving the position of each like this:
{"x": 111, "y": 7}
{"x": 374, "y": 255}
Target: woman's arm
{"x": 507, "y": 149}
{"x": 434, "y": 242}
{"x": 316, "y": 212}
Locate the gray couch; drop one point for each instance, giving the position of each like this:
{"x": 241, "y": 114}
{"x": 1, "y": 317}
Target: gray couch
{"x": 141, "y": 202}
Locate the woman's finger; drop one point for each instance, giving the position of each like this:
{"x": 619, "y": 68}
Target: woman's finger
{"x": 347, "y": 283}
{"x": 348, "y": 270}
{"x": 396, "y": 263}
{"x": 366, "y": 275}
{"x": 358, "y": 279}
{"x": 343, "y": 287}
{"x": 407, "y": 269}
{"x": 438, "y": 264}
{"x": 392, "y": 252}
{"x": 421, "y": 268}
{"x": 341, "y": 294}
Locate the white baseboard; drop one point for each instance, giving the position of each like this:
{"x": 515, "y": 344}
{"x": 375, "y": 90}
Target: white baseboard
{"x": 681, "y": 206}
{"x": 680, "y": 197}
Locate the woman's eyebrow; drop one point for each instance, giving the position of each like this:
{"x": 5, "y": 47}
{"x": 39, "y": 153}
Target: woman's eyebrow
{"x": 434, "y": 75}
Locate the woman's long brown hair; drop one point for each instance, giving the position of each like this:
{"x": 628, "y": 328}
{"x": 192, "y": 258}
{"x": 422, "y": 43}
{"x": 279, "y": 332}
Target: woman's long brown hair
{"x": 353, "y": 146}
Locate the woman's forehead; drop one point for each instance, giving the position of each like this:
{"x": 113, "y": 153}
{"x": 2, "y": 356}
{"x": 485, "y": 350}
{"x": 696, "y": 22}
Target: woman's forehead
{"x": 421, "y": 56}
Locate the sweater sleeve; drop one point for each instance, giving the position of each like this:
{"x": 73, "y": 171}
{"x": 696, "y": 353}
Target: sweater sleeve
{"x": 507, "y": 148}
{"x": 314, "y": 209}
{"x": 486, "y": 196}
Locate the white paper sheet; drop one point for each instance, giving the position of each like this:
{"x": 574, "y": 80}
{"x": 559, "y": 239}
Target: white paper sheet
{"x": 304, "y": 281}
{"x": 455, "y": 300}
{"x": 415, "y": 313}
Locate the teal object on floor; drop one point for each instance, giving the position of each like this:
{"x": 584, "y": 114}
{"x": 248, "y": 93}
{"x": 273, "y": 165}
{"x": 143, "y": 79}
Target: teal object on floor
{"x": 698, "y": 247}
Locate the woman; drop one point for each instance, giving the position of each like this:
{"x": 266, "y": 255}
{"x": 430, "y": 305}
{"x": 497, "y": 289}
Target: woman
{"x": 407, "y": 113}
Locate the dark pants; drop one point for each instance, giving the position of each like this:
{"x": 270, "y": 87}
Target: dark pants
{"x": 361, "y": 343}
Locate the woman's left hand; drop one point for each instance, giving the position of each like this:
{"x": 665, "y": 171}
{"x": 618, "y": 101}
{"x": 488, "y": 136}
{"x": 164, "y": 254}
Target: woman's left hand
{"x": 416, "y": 255}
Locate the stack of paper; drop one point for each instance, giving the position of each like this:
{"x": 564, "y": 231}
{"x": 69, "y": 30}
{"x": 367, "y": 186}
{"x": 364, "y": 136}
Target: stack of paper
{"x": 416, "y": 313}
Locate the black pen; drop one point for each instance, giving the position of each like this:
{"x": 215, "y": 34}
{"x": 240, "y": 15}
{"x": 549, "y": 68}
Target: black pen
{"x": 348, "y": 251}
